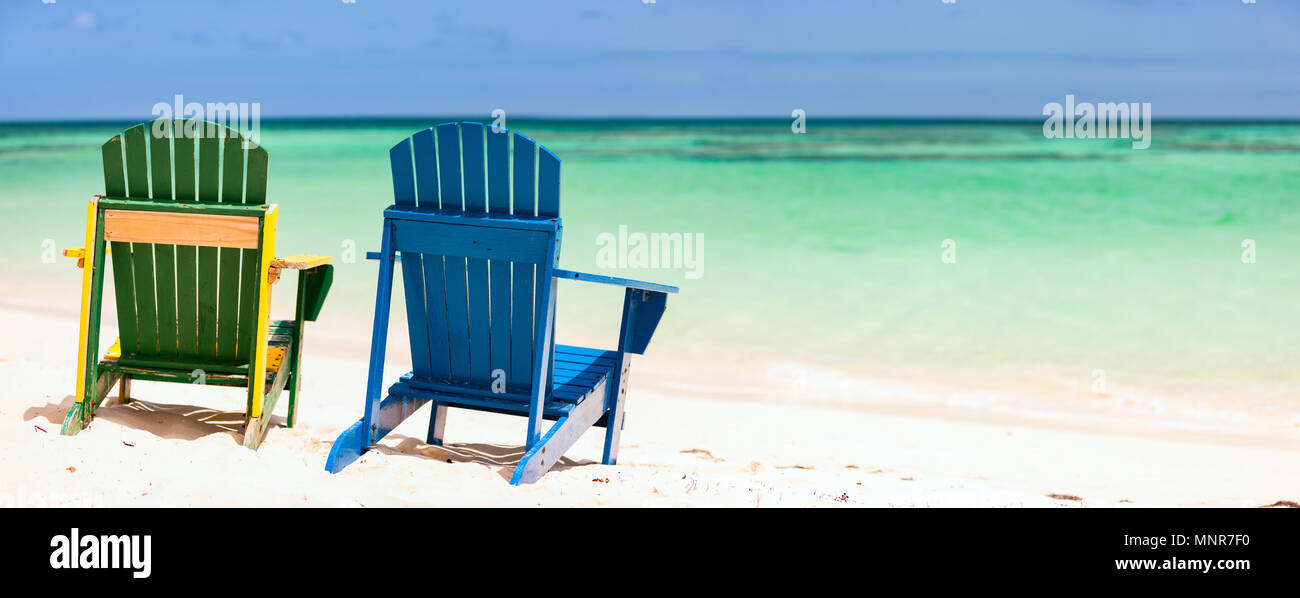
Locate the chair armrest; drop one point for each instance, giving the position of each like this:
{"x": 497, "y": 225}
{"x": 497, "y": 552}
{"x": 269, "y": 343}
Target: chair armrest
{"x": 642, "y": 310}
{"x": 643, "y": 306}
{"x": 623, "y": 282}
{"x": 302, "y": 261}
{"x": 375, "y": 255}
{"x": 313, "y": 286}
{"x": 80, "y": 254}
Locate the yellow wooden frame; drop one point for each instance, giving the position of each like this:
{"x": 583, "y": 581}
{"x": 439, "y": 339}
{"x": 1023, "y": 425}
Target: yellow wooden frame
{"x": 88, "y": 268}
{"x": 257, "y": 371}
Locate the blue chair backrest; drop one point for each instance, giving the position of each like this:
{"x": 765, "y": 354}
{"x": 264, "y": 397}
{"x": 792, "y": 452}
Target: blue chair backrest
{"x": 474, "y": 288}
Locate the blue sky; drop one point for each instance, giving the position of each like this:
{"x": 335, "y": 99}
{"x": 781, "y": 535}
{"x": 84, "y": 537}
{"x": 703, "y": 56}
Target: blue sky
{"x": 87, "y": 59}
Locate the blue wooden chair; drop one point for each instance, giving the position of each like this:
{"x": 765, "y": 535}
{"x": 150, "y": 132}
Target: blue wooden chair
{"x": 478, "y": 251}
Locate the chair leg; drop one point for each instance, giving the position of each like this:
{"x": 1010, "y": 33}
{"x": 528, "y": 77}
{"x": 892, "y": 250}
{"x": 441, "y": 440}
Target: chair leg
{"x": 293, "y": 400}
{"x": 124, "y": 390}
{"x": 612, "y": 433}
{"x": 552, "y": 446}
{"x": 437, "y": 423}
{"x": 614, "y": 422}
{"x": 81, "y": 413}
{"x": 359, "y": 437}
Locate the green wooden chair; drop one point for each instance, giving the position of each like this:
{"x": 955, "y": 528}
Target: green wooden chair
{"x": 185, "y": 224}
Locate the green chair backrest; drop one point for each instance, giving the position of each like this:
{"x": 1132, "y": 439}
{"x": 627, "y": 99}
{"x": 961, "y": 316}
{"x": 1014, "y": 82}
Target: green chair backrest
{"x": 180, "y": 303}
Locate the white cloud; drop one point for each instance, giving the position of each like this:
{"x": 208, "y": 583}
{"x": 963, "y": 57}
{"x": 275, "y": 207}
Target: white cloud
{"x": 83, "y": 20}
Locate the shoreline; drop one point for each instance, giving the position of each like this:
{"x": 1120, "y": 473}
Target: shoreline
{"x": 699, "y": 445}
{"x": 1036, "y": 395}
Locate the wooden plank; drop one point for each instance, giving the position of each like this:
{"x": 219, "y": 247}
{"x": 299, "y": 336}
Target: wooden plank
{"x": 613, "y": 280}
{"x": 475, "y": 183}
{"x": 548, "y": 184}
{"x": 498, "y": 171}
{"x": 249, "y": 283}
{"x": 509, "y": 221}
{"x": 523, "y": 276}
{"x": 525, "y": 179}
{"x": 476, "y": 269}
{"x": 498, "y": 183}
{"x": 209, "y": 165}
{"x": 458, "y": 241}
{"x": 183, "y": 163}
{"x": 476, "y": 274}
{"x": 317, "y": 281}
{"x": 499, "y": 323}
{"x": 199, "y": 230}
{"x": 417, "y": 323}
{"x": 548, "y": 204}
{"x": 164, "y": 255}
{"x": 198, "y": 207}
{"x": 187, "y": 365}
{"x": 413, "y": 266}
{"x": 543, "y": 343}
{"x": 160, "y": 161}
{"x": 301, "y": 261}
{"x": 378, "y": 346}
{"x": 187, "y": 262}
{"x": 255, "y": 187}
{"x": 135, "y": 141}
{"x": 521, "y": 324}
{"x": 399, "y": 158}
{"x": 209, "y": 190}
{"x": 123, "y": 277}
{"x": 254, "y": 194}
{"x": 454, "y": 270}
{"x": 434, "y": 274}
{"x": 457, "y": 317}
{"x": 142, "y": 267}
{"x": 257, "y": 371}
{"x": 84, "y": 351}
{"x": 426, "y": 169}
{"x": 95, "y": 386}
{"x": 231, "y": 263}
{"x": 449, "y": 189}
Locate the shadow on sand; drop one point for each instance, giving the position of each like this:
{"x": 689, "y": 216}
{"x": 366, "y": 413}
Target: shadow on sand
{"x": 502, "y": 457}
{"x": 190, "y": 422}
{"x": 164, "y": 420}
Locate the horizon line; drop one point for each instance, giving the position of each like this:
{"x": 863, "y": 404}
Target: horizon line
{"x": 704, "y": 118}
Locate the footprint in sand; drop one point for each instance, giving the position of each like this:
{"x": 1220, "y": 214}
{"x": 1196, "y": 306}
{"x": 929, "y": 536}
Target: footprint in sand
{"x": 704, "y": 454}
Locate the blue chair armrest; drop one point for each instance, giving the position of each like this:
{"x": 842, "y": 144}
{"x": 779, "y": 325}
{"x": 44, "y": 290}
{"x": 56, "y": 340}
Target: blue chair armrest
{"x": 642, "y": 310}
{"x": 623, "y": 282}
{"x": 643, "y": 306}
{"x": 374, "y": 255}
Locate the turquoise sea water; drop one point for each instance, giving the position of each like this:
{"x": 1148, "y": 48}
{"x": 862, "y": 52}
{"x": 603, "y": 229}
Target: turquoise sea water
{"x": 1070, "y": 255}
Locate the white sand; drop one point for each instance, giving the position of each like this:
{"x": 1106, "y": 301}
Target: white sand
{"x": 686, "y": 443}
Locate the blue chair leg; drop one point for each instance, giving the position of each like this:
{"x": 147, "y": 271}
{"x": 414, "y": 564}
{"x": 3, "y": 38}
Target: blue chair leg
{"x": 360, "y": 437}
{"x": 437, "y": 423}
{"x": 548, "y": 450}
{"x": 612, "y": 432}
{"x": 616, "y": 400}
{"x": 348, "y": 447}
